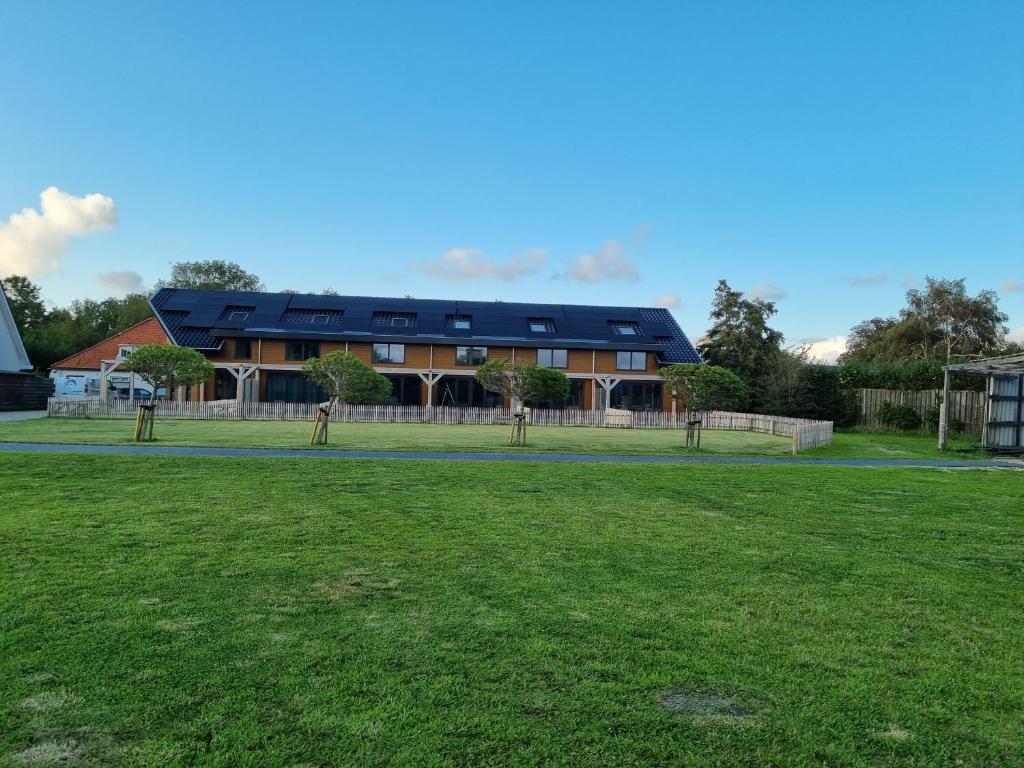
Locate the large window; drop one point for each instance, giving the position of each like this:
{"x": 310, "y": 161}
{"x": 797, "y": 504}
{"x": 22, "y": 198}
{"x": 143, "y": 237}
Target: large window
{"x": 637, "y": 395}
{"x": 631, "y": 361}
{"x": 389, "y": 353}
{"x": 464, "y": 391}
{"x": 243, "y": 350}
{"x": 301, "y": 350}
{"x": 470, "y": 355}
{"x": 553, "y": 358}
{"x": 292, "y": 387}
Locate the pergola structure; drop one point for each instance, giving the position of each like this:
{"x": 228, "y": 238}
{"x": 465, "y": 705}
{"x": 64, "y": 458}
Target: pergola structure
{"x": 1004, "y": 410}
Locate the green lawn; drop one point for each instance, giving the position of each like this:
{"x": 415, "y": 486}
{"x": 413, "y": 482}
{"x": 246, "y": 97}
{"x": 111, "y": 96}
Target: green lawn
{"x": 261, "y": 612}
{"x": 405, "y": 437}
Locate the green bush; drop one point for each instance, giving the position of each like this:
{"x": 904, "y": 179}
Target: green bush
{"x": 903, "y": 418}
{"x": 931, "y": 421}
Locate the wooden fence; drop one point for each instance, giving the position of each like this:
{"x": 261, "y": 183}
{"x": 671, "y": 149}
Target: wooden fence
{"x": 805, "y": 433}
{"x": 965, "y": 405}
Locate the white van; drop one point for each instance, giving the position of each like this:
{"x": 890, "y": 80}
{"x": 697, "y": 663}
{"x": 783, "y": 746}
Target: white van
{"x": 75, "y": 384}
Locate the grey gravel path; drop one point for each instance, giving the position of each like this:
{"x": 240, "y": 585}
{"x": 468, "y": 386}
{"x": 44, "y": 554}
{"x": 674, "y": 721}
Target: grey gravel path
{"x": 167, "y": 450}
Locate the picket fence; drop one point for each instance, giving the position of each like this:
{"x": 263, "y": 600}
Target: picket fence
{"x": 965, "y": 405}
{"x": 805, "y": 433}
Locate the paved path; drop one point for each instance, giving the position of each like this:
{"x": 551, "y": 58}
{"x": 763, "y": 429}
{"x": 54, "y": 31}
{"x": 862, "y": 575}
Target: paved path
{"x": 21, "y": 415}
{"x": 167, "y": 450}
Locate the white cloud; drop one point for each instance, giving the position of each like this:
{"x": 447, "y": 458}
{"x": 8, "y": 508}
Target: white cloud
{"x": 32, "y": 243}
{"x": 608, "y": 262}
{"x": 641, "y": 232}
{"x": 473, "y": 264}
{"x": 881, "y": 277}
{"x": 669, "y": 301}
{"x": 120, "y": 282}
{"x": 1012, "y": 286}
{"x": 826, "y": 350}
{"x": 768, "y": 291}
{"x": 1017, "y": 335}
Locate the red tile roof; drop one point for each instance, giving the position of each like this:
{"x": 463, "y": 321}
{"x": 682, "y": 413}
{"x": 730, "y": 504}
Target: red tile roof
{"x": 149, "y": 331}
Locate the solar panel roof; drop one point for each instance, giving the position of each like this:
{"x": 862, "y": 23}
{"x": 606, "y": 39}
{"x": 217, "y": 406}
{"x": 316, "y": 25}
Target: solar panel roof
{"x": 199, "y": 319}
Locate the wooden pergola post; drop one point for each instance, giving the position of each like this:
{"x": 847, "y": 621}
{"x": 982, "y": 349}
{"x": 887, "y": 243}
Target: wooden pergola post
{"x": 944, "y": 411}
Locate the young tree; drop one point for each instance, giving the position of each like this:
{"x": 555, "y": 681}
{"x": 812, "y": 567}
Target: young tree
{"x": 525, "y": 384}
{"x": 697, "y": 388}
{"x": 164, "y": 367}
{"x": 741, "y": 340}
{"x": 215, "y": 274}
{"x": 344, "y": 377}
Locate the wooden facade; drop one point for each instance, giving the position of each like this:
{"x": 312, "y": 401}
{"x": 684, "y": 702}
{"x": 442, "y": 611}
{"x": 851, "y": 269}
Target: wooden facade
{"x": 432, "y": 364}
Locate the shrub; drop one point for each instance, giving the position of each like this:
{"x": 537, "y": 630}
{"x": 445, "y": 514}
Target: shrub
{"x": 899, "y": 417}
{"x": 931, "y": 421}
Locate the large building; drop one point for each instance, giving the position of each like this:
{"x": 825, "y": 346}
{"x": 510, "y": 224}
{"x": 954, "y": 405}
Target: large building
{"x": 429, "y": 349}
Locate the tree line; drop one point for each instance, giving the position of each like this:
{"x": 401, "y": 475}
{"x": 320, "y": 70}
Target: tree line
{"x": 940, "y": 324}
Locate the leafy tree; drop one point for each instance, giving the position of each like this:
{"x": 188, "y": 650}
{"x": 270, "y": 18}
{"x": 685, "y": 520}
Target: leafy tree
{"x": 697, "y": 388}
{"x": 940, "y": 320}
{"x": 25, "y": 301}
{"x": 955, "y": 323}
{"x": 741, "y": 340}
{"x": 344, "y": 377}
{"x": 525, "y": 384}
{"x": 165, "y": 367}
{"x": 215, "y": 274}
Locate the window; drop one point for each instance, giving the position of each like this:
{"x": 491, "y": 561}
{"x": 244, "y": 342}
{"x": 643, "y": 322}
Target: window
{"x": 393, "y": 319}
{"x": 243, "y": 350}
{"x": 458, "y": 322}
{"x": 388, "y": 353}
{"x": 236, "y": 313}
{"x": 123, "y": 352}
{"x": 312, "y": 316}
{"x": 637, "y": 395}
{"x": 301, "y": 350}
{"x": 542, "y": 325}
{"x": 470, "y": 355}
{"x": 623, "y": 328}
{"x": 631, "y": 361}
{"x": 553, "y": 358}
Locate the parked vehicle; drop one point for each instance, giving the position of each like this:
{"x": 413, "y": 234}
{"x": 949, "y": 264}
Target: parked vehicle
{"x": 75, "y": 385}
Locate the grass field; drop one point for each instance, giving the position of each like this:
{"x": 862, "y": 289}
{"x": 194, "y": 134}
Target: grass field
{"x": 260, "y": 612}
{"x": 430, "y": 437}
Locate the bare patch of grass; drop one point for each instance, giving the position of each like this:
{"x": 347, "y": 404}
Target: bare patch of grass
{"x": 49, "y": 753}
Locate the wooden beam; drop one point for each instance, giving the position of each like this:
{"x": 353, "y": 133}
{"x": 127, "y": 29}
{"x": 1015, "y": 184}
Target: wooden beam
{"x": 944, "y": 411}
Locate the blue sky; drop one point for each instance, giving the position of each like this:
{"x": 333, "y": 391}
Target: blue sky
{"x": 826, "y": 154}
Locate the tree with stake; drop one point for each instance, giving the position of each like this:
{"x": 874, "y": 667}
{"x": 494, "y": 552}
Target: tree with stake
{"x": 525, "y": 384}
{"x": 167, "y": 367}
{"x": 344, "y": 377}
{"x": 697, "y": 388}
